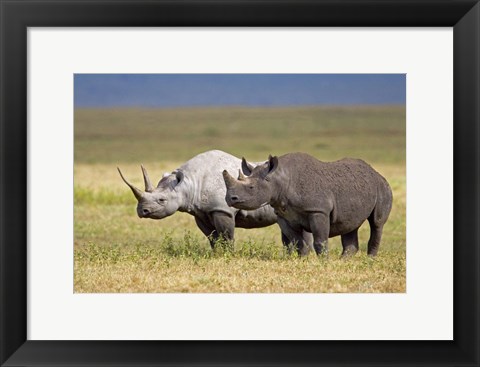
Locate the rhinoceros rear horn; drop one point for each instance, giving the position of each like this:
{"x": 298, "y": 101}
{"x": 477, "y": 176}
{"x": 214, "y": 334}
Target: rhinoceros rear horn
{"x": 229, "y": 180}
{"x": 137, "y": 192}
{"x": 146, "y": 179}
{"x": 241, "y": 176}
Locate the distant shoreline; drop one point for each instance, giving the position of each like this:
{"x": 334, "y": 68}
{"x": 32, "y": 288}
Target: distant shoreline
{"x": 245, "y": 107}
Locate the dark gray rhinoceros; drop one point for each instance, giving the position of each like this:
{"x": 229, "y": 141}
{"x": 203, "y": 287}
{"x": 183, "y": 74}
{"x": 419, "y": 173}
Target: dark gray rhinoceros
{"x": 327, "y": 199}
{"x": 197, "y": 188}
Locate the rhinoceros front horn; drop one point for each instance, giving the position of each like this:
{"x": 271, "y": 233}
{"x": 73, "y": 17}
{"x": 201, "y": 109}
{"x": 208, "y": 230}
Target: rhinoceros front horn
{"x": 137, "y": 192}
{"x": 229, "y": 180}
{"x": 146, "y": 179}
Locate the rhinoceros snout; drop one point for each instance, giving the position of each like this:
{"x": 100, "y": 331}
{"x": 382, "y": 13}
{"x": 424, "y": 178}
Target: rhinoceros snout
{"x": 233, "y": 200}
{"x": 143, "y": 212}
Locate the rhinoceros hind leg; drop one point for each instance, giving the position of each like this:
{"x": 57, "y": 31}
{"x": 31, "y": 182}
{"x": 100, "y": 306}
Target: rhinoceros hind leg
{"x": 350, "y": 243}
{"x": 379, "y": 216}
{"x": 375, "y": 237}
{"x": 376, "y": 220}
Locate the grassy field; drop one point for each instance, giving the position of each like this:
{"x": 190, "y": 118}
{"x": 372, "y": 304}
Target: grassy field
{"x": 115, "y": 251}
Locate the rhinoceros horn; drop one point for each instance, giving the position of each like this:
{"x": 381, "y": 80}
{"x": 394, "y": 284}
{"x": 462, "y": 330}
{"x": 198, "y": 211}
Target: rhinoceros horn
{"x": 229, "y": 180}
{"x": 241, "y": 176}
{"x": 137, "y": 192}
{"x": 146, "y": 179}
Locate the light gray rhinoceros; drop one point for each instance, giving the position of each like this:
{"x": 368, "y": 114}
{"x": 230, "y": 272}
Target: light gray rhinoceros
{"x": 327, "y": 199}
{"x": 197, "y": 188}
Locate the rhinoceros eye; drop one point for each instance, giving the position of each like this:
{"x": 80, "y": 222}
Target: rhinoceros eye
{"x": 161, "y": 200}
{"x": 251, "y": 187}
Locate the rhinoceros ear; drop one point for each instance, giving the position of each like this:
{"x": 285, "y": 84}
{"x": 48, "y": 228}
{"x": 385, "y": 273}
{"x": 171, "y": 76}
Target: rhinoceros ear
{"x": 180, "y": 176}
{"x": 247, "y": 168}
{"x": 272, "y": 164}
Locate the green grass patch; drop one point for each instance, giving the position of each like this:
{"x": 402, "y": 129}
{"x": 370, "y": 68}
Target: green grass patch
{"x": 101, "y": 196}
{"x": 373, "y": 133}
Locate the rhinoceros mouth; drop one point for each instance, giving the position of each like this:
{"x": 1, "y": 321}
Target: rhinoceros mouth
{"x": 244, "y": 206}
{"x": 231, "y": 203}
{"x": 154, "y": 215}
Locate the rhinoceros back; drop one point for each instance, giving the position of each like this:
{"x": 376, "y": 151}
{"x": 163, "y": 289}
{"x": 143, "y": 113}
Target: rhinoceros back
{"x": 204, "y": 172}
{"x": 350, "y": 187}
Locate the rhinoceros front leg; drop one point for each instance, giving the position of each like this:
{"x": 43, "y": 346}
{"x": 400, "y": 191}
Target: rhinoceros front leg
{"x": 320, "y": 228}
{"x": 308, "y": 238}
{"x": 224, "y": 225}
{"x": 293, "y": 237}
{"x": 207, "y": 229}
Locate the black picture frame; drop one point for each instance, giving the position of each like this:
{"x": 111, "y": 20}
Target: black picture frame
{"x": 16, "y": 16}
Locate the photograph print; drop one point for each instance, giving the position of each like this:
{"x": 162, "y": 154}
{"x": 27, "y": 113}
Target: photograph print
{"x": 239, "y": 183}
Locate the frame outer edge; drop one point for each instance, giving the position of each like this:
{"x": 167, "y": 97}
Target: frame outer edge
{"x": 466, "y": 187}
{"x": 13, "y": 181}
{"x": 13, "y": 105}
{"x": 2, "y": 179}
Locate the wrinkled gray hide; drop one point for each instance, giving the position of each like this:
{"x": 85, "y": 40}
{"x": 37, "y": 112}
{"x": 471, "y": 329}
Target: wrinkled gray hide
{"x": 197, "y": 188}
{"x": 327, "y": 199}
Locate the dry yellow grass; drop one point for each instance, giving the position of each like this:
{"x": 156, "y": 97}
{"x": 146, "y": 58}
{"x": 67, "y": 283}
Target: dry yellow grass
{"x": 133, "y": 256}
{"x": 115, "y": 251}
{"x": 311, "y": 275}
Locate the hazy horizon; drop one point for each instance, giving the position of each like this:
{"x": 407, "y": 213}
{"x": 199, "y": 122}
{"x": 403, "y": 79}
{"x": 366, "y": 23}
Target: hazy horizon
{"x": 237, "y": 90}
